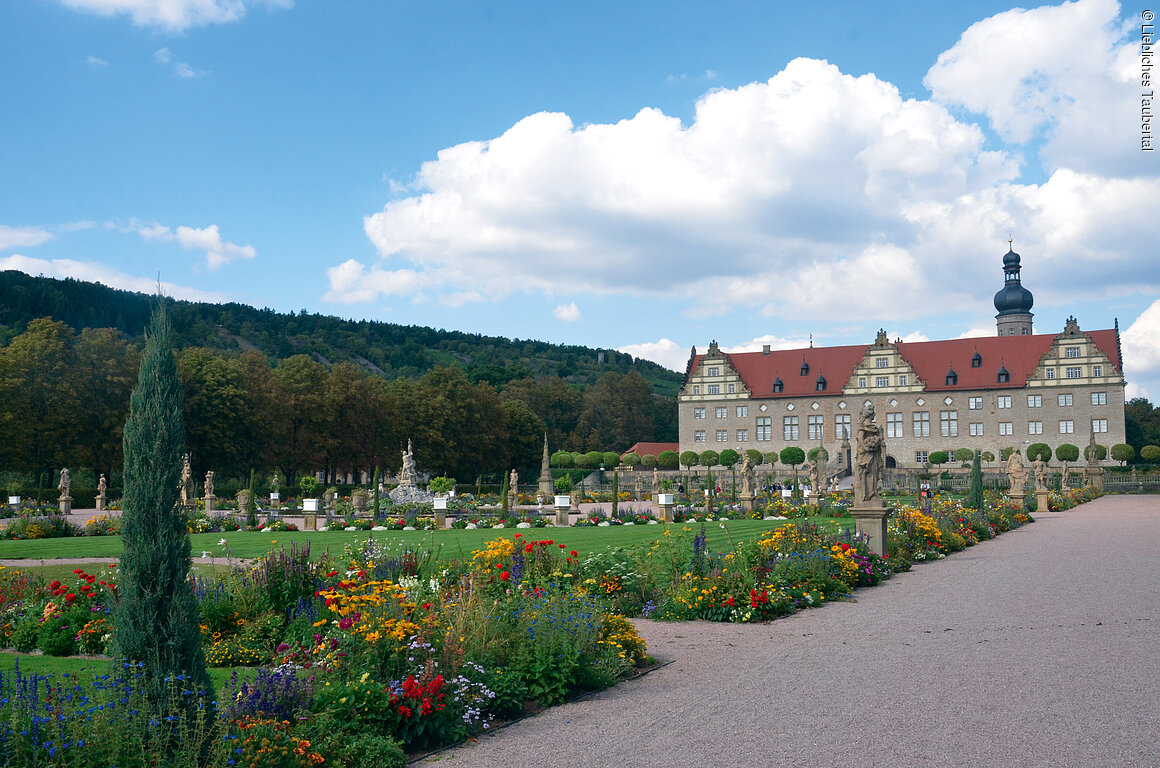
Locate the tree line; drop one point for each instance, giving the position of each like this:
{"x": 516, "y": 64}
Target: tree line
{"x": 64, "y": 400}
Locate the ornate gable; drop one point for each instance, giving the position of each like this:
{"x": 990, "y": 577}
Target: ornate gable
{"x": 1074, "y": 359}
{"x": 712, "y": 376}
{"x": 883, "y": 368}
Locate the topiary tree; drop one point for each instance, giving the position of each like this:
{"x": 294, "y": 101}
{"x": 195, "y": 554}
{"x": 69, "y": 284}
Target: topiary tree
{"x": 157, "y": 620}
{"x": 975, "y": 490}
{"x": 631, "y": 459}
{"x": 1067, "y": 452}
{"x": 668, "y": 460}
{"x": 1101, "y": 453}
{"x": 755, "y": 456}
{"x": 792, "y": 455}
{"x": 938, "y": 458}
{"x": 964, "y": 455}
{"x": 709, "y": 458}
{"x": 771, "y": 457}
{"x": 729, "y": 457}
{"x": 1150, "y": 453}
{"x": 609, "y": 459}
{"x": 1005, "y": 453}
{"x": 988, "y": 456}
{"x": 648, "y": 461}
{"x": 1123, "y": 453}
{"x": 590, "y": 460}
{"x": 1038, "y": 450}
{"x": 563, "y": 459}
{"x": 812, "y": 454}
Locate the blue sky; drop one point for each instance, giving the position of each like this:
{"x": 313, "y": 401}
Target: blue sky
{"x": 640, "y": 176}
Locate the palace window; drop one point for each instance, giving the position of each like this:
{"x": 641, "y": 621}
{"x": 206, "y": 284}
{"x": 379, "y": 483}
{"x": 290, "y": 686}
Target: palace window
{"x": 952, "y": 377}
{"x": 764, "y": 428}
{"x": 699, "y": 436}
{"x": 714, "y": 389}
{"x": 1072, "y": 352}
{"x": 1003, "y": 376}
{"x": 977, "y": 360}
{"x": 1004, "y": 401}
{"x": 743, "y": 435}
{"x": 1006, "y": 428}
{"x": 1066, "y": 427}
{"x": 842, "y": 426}
{"x": 902, "y": 379}
{"x": 698, "y": 413}
{"x": 805, "y": 368}
{"x": 742, "y": 411}
{"x": 815, "y": 426}
{"x": 1097, "y": 371}
{"x": 976, "y": 429}
{"x": 1099, "y": 398}
{"x": 1099, "y": 425}
{"x": 790, "y": 427}
{"x": 778, "y": 385}
{"x": 881, "y": 362}
{"x": 949, "y": 423}
{"x": 714, "y": 371}
{"x": 882, "y": 381}
{"x": 921, "y": 424}
{"x": 696, "y": 389}
{"x": 920, "y": 457}
{"x": 1035, "y": 427}
{"x": 722, "y": 436}
{"x": 731, "y": 389}
{"x": 1065, "y": 401}
{"x": 861, "y": 381}
{"x": 894, "y": 425}
{"x": 975, "y": 403}
{"x": 1075, "y": 373}
{"x": 1035, "y": 401}
{"x": 1051, "y": 373}
{"x": 721, "y": 413}
{"x": 821, "y": 385}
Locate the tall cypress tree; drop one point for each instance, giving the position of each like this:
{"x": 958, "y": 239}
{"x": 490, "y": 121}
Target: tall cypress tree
{"x": 157, "y": 614}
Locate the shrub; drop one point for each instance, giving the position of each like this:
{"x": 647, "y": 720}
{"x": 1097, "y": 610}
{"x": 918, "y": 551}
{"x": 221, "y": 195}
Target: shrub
{"x": 1101, "y": 452}
{"x": 668, "y": 460}
{"x": 1037, "y": 451}
{"x": 938, "y": 458}
{"x": 792, "y": 455}
{"x": 1067, "y": 452}
{"x": 648, "y": 461}
{"x": 729, "y": 457}
{"x": 562, "y": 459}
{"x": 964, "y": 455}
{"x": 1123, "y": 453}
{"x": 709, "y": 458}
{"x": 690, "y": 459}
{"x": 631, "y": 459}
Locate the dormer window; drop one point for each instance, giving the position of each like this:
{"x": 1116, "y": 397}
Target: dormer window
{"x": 977, "y": 360}
{"x": 821, "y": 385}
{"x": 952, "y": 377}
{"x": 805, "y": 368}
{"x": 1003, "y": 377}
{"x": 778, "y": 386}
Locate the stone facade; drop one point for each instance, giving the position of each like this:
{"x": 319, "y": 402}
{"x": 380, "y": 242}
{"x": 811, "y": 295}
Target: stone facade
{"x": 1009, "y": 390}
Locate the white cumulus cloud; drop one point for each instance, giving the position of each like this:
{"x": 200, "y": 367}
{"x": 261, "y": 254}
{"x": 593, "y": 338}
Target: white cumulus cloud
{"x": 22, "y": 237}
{"x": 1141, "y": 349}
{"x": 175, "y": 15}
{"x": 95, "y": 272}
{"x": 665, "y": 352}
{"x": 569, "y": 312}
{"x": 208, "y": 239}
{"x": 182, "y": 69}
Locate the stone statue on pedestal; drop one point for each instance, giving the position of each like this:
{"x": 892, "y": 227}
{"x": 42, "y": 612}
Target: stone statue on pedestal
{"x": 748, "y": 477}
{"x": 1040, "y": 467}
{"x": 868, "y": 462}
{"x": 209, "y": 483}
{"x": 1016, "y": 471}
{"x": 64, "y": 484}
{"x": 656, "y": 482}
{"x": 186, "y": 485}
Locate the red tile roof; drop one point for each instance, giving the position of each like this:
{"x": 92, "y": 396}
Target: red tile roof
{"x": 640, "y": 449}
{"x": 931, "y": 361}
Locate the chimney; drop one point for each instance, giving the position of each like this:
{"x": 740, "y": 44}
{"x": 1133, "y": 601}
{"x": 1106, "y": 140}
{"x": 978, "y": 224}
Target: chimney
{"x": 765, "y": 349}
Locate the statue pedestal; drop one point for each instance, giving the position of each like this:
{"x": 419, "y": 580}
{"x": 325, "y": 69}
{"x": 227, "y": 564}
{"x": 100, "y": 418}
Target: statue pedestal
{"x": 65, "y": 503}
{"x": 1094, "y": 477}
{"x": 870, "y": 521}
{"x": 101, "y": 503}
{"x": 1041, "y": 502}
{"x": 747, "y": 502}
{"x": 310, "y": 521}
{"x": 210, "y": 504}
{"x": 275, "y": 500}
{"x": 1018, "y": 498}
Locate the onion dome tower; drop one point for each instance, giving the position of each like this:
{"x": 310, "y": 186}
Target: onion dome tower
{"x": 1013, "y": 301}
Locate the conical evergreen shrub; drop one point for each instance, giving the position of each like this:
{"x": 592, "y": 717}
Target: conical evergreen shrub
{"x": 157, "y": 622}
{"x": 975, "y": 492}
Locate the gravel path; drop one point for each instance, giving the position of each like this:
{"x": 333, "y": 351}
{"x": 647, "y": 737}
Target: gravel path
{"x": 1035, "y": 649}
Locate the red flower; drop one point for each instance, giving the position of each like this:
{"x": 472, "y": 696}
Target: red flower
{"x": 54, "y": 585}
{"x": 519, "y": 535}
{"x": 573, "y": 553}
{"x": 79, "y": 570}
{"x": 405, "y": 711}
{"x": 528, "y": 548}
{"x": 561, "y": 546}
{"x": 729, "y": 602}
{"x": 70, "y": 597}
{"x": 504, "y": 576}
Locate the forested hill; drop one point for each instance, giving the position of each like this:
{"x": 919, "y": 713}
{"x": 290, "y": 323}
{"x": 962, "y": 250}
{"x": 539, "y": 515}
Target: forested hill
{"x": 386, "y": 349}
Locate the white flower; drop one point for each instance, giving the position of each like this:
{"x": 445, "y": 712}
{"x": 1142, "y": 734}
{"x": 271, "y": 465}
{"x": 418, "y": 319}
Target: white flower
{"x": 221, "y": 542}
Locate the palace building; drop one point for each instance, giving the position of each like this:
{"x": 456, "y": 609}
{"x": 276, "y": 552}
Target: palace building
{"x": 1007, "y": 390}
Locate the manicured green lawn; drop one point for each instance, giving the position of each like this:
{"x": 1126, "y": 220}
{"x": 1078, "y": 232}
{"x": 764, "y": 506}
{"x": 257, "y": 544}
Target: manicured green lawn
{"x": 86, "y": 668}
{"x": 64, "y": 572}
{"x": 452, "y": 544}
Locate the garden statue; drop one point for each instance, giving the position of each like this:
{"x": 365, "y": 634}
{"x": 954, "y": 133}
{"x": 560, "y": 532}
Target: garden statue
{"x": 102, "y": 486}
{"x": 408, "y": 476}
{"x": 1093, "y": 451}
{"x": 514, "y": 484}
{"x": 274, "y": 482}
{"x": 813, "y": 474}
{"x": 1040, "y": 467}
{"x": 186, "y": 486}
{"x": 209, "y": 483}
{"x": 748, "y": 477}
{"x": 868, "y": 464}
{"x": 656, "y": 482}
{"x": 408, "y": 490}
{"x": 1016, "y": 472}
{"x": 64, "y": 484}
